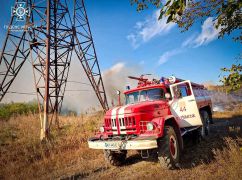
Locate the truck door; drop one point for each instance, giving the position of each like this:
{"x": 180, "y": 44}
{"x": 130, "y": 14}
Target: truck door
{"x": 183, "y": 105}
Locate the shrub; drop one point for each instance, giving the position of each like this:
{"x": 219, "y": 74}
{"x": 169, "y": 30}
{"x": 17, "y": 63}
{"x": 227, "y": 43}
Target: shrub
{"x": 10, "y": 109}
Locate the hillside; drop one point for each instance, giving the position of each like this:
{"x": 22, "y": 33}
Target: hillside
{"x": 22, "y": 156}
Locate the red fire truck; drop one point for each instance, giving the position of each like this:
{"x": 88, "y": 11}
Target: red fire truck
{"x": 155, "y": 117}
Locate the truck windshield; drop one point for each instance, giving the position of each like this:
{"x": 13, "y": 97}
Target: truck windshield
{"x": 145, "y": 95}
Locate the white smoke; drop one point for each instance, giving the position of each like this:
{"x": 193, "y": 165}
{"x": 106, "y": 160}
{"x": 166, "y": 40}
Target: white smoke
{"x": 83, "y": 97}
{"x": 223, "y": 100}
{"x": 79, "y": 96}
{"x": 116, "y": 78}
{"x": 23, "y": 83}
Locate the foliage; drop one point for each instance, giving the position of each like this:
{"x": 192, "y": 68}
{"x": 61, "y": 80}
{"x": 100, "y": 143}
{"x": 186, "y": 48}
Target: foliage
{"x": 234, "y": 79}
{"x": 143, "y": 4}
{"x": 185, "y": 12}
{"x": 8, "y": 110}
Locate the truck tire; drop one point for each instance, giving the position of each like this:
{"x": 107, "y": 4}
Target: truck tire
{"x": 168, "y": 149}
{"x": 115, "y": 158}
{"x": 205, "y": 130}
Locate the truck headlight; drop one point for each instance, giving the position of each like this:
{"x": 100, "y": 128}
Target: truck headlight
{"x": 150, "y": 126}
{"x": 101, "y": 129}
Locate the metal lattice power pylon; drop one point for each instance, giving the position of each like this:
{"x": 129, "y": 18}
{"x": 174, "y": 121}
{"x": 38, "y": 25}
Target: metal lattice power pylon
{"x": 53, "y": 31}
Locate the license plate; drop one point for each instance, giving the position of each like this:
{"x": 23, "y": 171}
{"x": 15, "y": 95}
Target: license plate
{"x": 111, "y": 145}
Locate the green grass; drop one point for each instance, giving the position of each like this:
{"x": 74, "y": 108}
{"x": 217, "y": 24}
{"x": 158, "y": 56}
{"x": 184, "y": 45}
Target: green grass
{"x": 11, "y": 109}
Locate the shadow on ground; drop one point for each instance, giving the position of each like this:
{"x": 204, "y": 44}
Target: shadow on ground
{"x": 84, "y": 175}
{"x": 196, "y": 154}
{"x": 193, "y": 154}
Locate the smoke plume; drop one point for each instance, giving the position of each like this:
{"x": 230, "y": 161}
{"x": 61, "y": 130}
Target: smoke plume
{"x": 116, "y": 78}
{"x": 223, "y": 100}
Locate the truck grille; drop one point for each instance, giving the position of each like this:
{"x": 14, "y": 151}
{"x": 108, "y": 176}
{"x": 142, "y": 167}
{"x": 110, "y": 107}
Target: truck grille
{"x": 110, "y": 122}
{"x": 125, "y": 123}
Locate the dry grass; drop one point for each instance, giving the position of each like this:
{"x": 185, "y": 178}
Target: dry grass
{"x": 22, "y": 156}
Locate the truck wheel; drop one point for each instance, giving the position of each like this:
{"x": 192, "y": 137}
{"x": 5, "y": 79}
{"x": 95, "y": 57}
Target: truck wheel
{"x": 205, "y": 130}
{"x": 115, "y": 158}
{"x": 168, "y": 149}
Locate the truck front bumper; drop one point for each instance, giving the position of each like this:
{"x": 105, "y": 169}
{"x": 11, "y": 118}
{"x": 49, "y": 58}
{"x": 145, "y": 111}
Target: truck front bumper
{"x": 138, "y": 144}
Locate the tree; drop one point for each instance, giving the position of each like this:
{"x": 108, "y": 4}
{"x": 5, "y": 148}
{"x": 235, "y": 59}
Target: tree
{"x": 233, "y": 79}
{"x": 227, "y": 18}
{"x": 227, "y": 14}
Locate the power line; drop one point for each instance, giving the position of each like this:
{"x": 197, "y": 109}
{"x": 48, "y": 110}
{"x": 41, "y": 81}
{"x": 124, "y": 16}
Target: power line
{"x": 78, "y": 90}
{"x": 79, "y": 83}
{"x": 24, "y": 93}
{"x": 34, "y": 94}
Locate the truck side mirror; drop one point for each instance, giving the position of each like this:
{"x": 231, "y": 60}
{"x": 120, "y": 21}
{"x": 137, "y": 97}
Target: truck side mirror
{"x": 167, "y": 95}
{"x": 119, "y": 101}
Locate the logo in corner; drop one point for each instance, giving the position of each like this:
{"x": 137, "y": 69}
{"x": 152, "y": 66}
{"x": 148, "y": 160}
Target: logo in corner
{"x": 20, "y": 11}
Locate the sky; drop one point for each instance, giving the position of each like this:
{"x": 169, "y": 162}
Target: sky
{"x": 122, "y": 34}
{"x": 126, "y": 38}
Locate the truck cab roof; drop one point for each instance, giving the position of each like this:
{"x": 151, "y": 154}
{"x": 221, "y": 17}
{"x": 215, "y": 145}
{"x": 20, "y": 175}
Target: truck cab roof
{"x": 153, "y": 86}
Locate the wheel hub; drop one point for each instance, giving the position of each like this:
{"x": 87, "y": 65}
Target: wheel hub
{"x": 173, "y": 147}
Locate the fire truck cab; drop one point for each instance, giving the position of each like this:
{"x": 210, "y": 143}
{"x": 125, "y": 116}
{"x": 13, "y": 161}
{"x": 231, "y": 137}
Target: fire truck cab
{"x": 155, "y": 117}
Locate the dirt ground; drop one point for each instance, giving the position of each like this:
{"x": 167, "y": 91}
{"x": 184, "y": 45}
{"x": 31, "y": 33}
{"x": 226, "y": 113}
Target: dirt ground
{"x": 67, "y": 156}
